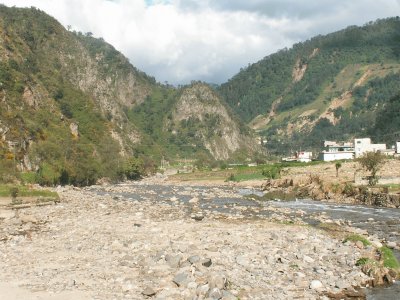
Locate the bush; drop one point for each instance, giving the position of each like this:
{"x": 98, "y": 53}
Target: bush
{"x": 133, "y": 168}
{"x": 14, "y": 191}
{"x": 231, "y": 177}
{"x": 349, "y": 190}
{"x": 372, "y": 161}
{"x": 272, "y": 171}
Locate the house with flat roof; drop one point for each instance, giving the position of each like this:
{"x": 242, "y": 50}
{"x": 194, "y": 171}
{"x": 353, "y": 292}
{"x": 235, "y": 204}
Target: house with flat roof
{"x": 337, "y": 151}
{"x": 364, "y": 145}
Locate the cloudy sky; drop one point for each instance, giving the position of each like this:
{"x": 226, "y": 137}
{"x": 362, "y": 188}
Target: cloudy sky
{"x": 210, "y": 40}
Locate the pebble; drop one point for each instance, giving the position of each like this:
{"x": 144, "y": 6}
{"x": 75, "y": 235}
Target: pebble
{"x": 316, "y": 285}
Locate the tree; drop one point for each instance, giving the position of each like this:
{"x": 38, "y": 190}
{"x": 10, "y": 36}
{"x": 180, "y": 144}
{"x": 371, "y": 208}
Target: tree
{"x": 338, "y": 165}
{"x": 372, "y": 162}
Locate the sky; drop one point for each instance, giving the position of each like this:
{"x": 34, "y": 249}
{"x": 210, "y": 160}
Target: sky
{"x": 178, "y": 41}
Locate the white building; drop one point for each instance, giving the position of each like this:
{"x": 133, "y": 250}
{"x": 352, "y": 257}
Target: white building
{"x": 397, "y": 147}
{"x": 304, "y": 156}
{"x": 364, "y": 145}
{"x": 337, "y": 151}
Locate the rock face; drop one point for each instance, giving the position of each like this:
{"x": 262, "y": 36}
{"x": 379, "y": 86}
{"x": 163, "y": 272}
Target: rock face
{"x": 106, "y": 247}
{"x": 214, "y": 124}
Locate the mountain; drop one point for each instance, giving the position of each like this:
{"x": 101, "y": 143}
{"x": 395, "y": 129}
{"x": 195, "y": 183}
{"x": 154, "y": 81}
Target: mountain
{"x": 73, "y": 109}
{"x": 329, "y": 87}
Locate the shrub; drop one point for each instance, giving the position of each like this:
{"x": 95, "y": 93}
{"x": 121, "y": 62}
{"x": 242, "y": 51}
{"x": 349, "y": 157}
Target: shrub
{"x": 272, "y": 171}
{"x": 231, "y": 177}
{"x": 372, "y": 162}
{"x": 349, "y": 190}
{"x": 14, "y": 191}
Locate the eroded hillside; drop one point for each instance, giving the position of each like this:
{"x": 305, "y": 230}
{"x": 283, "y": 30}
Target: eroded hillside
{"x": 330, "y": 87}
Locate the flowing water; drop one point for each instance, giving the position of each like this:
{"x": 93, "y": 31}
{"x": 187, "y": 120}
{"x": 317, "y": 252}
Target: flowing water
{"x": 381, "y": 222}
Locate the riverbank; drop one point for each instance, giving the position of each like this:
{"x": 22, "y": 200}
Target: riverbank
{"x": 316, "y": 181}
{"x": 95, "y": 245}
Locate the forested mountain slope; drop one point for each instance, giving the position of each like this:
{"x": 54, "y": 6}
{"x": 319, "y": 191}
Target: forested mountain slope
{"x": 73, "y": 109}
{"x": 329, "y": 87}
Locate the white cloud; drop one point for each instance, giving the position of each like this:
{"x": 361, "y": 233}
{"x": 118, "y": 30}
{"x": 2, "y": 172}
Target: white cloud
{"x": 179, "y": 41}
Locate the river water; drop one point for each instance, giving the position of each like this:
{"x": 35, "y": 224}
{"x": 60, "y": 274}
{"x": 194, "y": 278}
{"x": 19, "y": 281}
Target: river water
{"x": 384, "y": 223}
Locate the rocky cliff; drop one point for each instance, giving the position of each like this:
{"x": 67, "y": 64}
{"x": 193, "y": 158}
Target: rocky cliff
{"x": 201, "y": 110}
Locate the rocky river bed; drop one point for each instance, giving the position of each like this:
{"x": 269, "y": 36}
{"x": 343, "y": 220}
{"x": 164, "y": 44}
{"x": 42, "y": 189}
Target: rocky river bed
{"x": 144, "y": 240}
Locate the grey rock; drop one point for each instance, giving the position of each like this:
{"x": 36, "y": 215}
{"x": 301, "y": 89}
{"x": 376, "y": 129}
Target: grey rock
{"x": 202, "y": 290}
{"x": 197, "y": 217}
{"x": 193, "y": 259}
{"x": 316, "y": 285}
{"x": 215, "y": 293}
{"x": 206, "y": 262}
{"x": 181, "y": 279}
{"x": 217, "y": 280}
{"x": 226, "y": 295}
{"x": 173, "y": 260}
{"x": 308, "y": 259}
{"x": 340, "y": 284}
{"x": 148, "y": 291}
{"x": 242, "y": 260}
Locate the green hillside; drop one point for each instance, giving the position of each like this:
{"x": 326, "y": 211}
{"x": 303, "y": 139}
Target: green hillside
{"x": 74, "y": 110}
{"x": 329, "y": 87}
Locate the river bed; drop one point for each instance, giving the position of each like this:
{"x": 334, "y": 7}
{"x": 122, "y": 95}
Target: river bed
{"x": 383, "y": 223}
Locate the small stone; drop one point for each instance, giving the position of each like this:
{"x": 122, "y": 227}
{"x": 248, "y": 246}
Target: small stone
{"x": 202, "y": 290}
{"x": 340, "y": 284}
{"x": 359, "y": 245}
{"x": 242, "y": 260}
{"x": 206, "y": 262}
{"x": 308, "y": 259}
{"x": 217, "y": 281}
{"x": 315, "y": 285}
{"x": 391, "y": 245}
{"x": 376, "y": 244}
{"x": 71, "y": 283}
{"x": 148, "y": 291}
{"x": 28, "y": 219}
{"x": 180, "y": 279}
{"x": 192, "y": 285}
{"x": 127, "y": 287}
{"x": 193, "y": 259}
{"x": 226, "y": 295}
{"x": 173, "y": 260}
{"x": 215, "y": 293}
{"x": 197, "y": 217}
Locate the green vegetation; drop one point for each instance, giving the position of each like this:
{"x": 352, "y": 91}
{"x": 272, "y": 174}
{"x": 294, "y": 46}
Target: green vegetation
{"x": 15, "y": 191}
{"x": 366, "y": 261}
{"x": 355, "y": 238}
{"x": 389, "y": 259}
{"x": 362, "y": 60}
{"x": 372, "y": 162}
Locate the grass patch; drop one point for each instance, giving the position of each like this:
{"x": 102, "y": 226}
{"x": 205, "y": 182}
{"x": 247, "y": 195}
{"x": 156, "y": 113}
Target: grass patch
{"x": 24, "y": 191}
{"x": 355, "y": 238}
{"x": 245, "y": 177}
{"x": 389, "y": 260}
{"x": 275, "y": 195}
{"x": 365, "y": 261}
